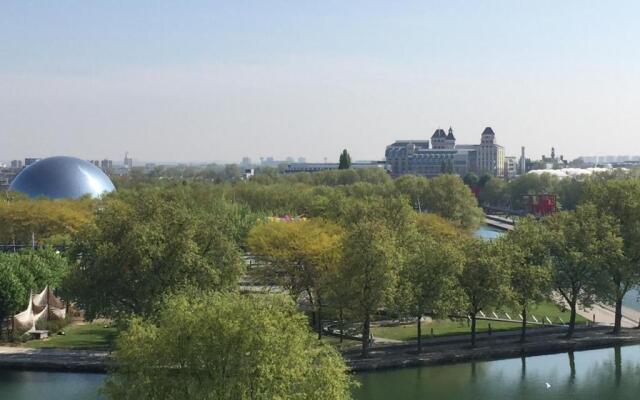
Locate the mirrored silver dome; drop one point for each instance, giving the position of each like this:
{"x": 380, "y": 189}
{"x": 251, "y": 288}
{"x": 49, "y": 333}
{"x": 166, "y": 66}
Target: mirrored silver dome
{"x": 62, "y": 178}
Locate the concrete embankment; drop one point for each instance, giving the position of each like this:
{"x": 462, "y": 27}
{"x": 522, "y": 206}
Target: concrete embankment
{"x": 488, "y": 348}
{"x": 444, "y": 350}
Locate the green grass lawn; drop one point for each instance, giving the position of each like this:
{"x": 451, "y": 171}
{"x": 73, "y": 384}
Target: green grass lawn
{"x": 335, "y": 341}
{"x": 79, "y": 336}
{"x": 445, "y": 327}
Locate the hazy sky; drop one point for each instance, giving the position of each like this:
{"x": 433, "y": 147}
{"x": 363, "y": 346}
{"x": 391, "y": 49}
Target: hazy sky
{"x": 205, "y": 80}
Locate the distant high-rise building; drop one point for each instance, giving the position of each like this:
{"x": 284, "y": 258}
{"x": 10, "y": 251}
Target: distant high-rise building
{"x": 490, "y": 155}
{"x": 128, "y": 162}
{"x": 302, "y": 160}
{"x": 246, "y": 161}
{"x": 510, "y": 167}
{"x": 95, "y": 162}
{"x": 106, "y": 165}
{"x": 30, "y": 161}
{"x": 523, "y": 162}
{"x": 16, "y": 164}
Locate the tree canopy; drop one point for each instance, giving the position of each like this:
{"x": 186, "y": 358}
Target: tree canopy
{"x": 46, "y": 221}
{"x": 148, "y": 242}
{"x": 226, "y": 346}
{"x": 345, "y": 160}
{"x": 483, "y": 279}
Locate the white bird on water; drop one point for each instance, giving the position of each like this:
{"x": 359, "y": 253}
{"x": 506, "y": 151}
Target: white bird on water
{"x": 548, "y": 385}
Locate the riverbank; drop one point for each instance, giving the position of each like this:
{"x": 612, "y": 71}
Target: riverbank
{"x": 436, "y": 351}
{"x": 494, "y": 347}
{"x": 60, "y": 360}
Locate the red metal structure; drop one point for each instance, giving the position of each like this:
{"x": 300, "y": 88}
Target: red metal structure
{"x": 541, "y": 204}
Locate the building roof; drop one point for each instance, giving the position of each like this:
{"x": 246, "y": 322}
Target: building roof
{"x": 439, "y": 133}
{"x": 488, "y": 131}
{"x": 450, "y": 135}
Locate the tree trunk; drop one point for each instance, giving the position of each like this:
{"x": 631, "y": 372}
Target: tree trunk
{"x": 341, "y": 326}
{"x": 419, "y": 334}
{"x": 366, "y": 330}
{"x": 319, "y": 321}
{"x": 572, "y": 320}
{"x": 618, "y": 323}
{"x": 473, "y": 329}
{"x": 523, "y": 335}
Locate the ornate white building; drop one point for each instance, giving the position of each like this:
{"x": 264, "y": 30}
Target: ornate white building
{"x": 442, "y": 155}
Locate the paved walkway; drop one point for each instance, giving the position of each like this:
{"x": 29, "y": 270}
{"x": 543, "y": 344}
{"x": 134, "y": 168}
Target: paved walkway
{"x": 605, "y": 315}
{"x": 54, "y": 359}
{"x": 488, "y": 348}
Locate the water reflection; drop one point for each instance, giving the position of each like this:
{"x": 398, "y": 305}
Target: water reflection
{"x": 28, "y": 385}
{"x": 612, "y": 373}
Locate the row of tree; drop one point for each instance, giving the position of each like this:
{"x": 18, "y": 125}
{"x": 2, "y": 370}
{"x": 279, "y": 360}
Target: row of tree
{"x": 419, "y": 264}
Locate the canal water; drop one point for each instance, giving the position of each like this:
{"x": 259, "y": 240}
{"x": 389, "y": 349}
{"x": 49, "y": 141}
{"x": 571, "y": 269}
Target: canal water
{"x": 487, "y": 232}
{"x": 612, "y": 374}
{"x": 27, "y": 385}
{"x": 589, "y": 375}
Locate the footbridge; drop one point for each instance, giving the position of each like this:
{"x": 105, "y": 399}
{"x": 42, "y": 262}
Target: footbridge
{"x": 499, "y": 222}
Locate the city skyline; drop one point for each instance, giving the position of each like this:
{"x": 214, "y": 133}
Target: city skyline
{"x": 218, "y": 82}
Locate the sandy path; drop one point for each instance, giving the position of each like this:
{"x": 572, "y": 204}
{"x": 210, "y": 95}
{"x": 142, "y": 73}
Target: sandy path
{"x": 605, "y": 315}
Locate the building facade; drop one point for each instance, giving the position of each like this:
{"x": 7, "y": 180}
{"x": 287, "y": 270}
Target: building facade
{"x": 490, "y": 155}
{"x": 511, "y": 167}
{"x": 442, "y": 155}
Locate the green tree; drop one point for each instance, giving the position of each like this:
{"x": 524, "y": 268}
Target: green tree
{"x": 22, "y": 220}
{"x": 427, "y": 282}
{"x": 450, "y": 198}
{"x": 226, "y": 346}
{"x": 232, "y": 172}
{"x": 471, "y": 179}
{"x": 531, "y": 184}
{"x": 345, "y": 160}
{"x": 145, "y": 243}
{"x": 484, "y": 179}
{"x": 370, "y": 255}
{"x": 415, "y": 188}
{"x": 483, "y": 280}
{"x": 13, "y": 293}
{"x": 529, "y": 264}
{"x": 577, "y": 248}
{"x": 300, "y": 256}
{"x": 619, "y": 198}
{"x": 494, "y": 193}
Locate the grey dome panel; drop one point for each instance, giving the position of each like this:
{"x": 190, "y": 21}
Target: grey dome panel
{"x": 62, "y": 178}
